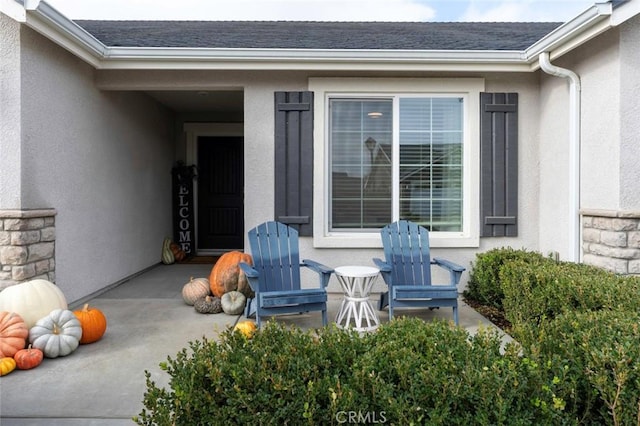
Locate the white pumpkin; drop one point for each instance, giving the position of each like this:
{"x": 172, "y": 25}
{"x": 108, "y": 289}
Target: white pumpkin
{"x": 32, "y": 300}
{"x": 233, "y": 302}
{"x": 57, "y": 334}
{"x": 195, "y": 289}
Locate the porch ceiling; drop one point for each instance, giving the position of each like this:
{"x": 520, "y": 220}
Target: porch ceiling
{"x": 228, "y": 101}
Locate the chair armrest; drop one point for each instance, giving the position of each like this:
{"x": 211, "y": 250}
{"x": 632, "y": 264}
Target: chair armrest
{"x": 385, "y": 270}
{"x": 252, "y": 276}
{"x": 382, "y": 265}
{"x": 455, "y": 270}
{"x": 447, "y": 264}
{"x": 323, "y": 271}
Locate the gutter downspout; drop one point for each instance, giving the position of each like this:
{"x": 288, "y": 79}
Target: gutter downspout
{"x": 574, "y": 151}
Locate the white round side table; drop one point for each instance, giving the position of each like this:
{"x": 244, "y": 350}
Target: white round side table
{"x": 356, "y": 282}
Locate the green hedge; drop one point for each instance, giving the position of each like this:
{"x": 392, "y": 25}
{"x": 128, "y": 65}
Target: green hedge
{"x": 408, "y": 372}
{"x": 535, "y": 293}
{"x": 578, "y": 315}
{"x": 601, "y": 353}
{"x": 484, "y": 283}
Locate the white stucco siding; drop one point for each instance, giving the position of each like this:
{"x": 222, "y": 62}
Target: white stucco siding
{"x": 598, "y": 64}
{"x": 102, "y": 160}
{"x": 630, "y": 111}
{"x": 10, "y": 106}
{"x": 553, "y": 166}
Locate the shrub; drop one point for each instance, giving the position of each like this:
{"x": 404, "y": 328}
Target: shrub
{"x": 538, "y": 292}
{"x": 602, "y": 381}
{"x": 408, "y": 372}
{"x": 484, "y": 283}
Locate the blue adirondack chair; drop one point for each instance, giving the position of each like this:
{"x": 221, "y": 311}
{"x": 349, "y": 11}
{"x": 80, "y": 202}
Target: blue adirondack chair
{"x": 407, "y": 271}
{"x": 275, "y": 274}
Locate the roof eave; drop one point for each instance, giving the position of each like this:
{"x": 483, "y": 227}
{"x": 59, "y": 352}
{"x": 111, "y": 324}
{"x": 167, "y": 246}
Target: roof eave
{"x": 48, "y": 21}
{"x": 587, "y": 25}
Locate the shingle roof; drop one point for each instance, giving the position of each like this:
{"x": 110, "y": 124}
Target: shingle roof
{"x": 320, "y": 35}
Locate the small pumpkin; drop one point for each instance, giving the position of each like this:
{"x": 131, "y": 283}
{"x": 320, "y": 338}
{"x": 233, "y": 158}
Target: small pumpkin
{"x": 227, "y": 276}
{"x": 247, "y": 328}
{"x": 167, "y": 255}
{"x": 7, "y": 365}
{"x": 32, "y": 300}
{"x": 208, "y": 305}
{"x": 57, "y": 334}
{"x": 29, "y": 358}
{"x": 93, "y": 323}
{"x": 195, "y": 289}
{"x": 13, "y": 333}
{"x": 178, "y": 253}
{"x": 233, "y": 302}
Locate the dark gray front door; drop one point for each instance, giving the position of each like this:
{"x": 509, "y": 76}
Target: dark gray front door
{"x": 220, "y": 193}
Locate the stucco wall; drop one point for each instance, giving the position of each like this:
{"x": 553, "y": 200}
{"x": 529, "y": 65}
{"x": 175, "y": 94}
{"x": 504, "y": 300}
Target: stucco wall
{"x": 102, "y": 160}
{"x": 259, "y": 180}
{"x": 10, "y": 106}
{"x": 630, "y": 111}
{"x": 259, "y": 143}
{"x": 598, "y": 64}
{"x": 553, "y": 166}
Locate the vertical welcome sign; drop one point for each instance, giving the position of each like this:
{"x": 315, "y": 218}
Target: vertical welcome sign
{"x": 183, "y": 214}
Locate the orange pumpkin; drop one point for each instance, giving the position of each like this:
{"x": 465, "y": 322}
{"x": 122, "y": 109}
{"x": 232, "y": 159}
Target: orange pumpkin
{"x": 93, "y": 322}
{"x": 28, "y": 358}
{"x": 13, "y": 333}
{"x": 226, "y": 275}
{"x": 178, "y": 253}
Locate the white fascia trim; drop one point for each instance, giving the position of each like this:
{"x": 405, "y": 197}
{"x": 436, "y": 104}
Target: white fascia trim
{"x": 46, "y": 20}
{"x": 624, "y": 11}
{"x": 13, "y": 10}
{"x": 587, "y": 25}
{"x": 307, "y": 59}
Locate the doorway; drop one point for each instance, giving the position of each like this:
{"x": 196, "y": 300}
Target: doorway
{"x": 220, "y": 194}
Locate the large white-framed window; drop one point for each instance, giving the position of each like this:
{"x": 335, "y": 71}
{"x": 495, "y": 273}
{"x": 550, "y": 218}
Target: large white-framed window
{"x": 389, "y": 149}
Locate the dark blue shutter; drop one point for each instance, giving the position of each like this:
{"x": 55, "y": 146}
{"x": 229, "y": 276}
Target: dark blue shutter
{"x": 499, "y": 164}
{"x": 294, "y": 160}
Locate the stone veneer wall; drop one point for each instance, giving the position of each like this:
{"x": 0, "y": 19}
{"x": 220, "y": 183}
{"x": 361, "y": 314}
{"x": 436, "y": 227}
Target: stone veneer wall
{"x": 27, "y": 245}
{"x": 611, "y": 240}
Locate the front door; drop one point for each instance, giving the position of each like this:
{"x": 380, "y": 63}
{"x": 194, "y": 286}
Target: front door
{"x": 220, "y": 194}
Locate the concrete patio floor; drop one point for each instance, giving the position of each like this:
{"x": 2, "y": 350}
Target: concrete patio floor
{"x": 103, "y": 383}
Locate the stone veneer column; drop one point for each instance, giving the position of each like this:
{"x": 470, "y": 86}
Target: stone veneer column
{"x": 611, "y": 240}
{"x": 27, "y": 245}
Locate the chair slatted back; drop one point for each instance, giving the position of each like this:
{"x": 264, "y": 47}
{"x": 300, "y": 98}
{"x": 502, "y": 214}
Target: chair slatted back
{"x": 276, "y": 256}
{"x": 406, "y": 248}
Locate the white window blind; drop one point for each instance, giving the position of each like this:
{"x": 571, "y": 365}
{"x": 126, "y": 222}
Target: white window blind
{"x": 425, "y": 150}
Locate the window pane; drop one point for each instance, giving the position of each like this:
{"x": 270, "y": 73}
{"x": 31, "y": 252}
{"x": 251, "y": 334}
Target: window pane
{"x": 360, "y": 144}
{"x": 431, "y": 162}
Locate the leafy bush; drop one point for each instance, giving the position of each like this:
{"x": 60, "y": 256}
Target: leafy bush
{"x": 586, "y": 318}
{"x": 602, "y": 381}
{"x": 408, "y": 372}
{"x": 539, "y": 292}
{"x": 484, "y": 283}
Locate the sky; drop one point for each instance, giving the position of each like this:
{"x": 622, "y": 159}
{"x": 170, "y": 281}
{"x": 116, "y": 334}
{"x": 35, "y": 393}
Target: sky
{"x": 325, "y": 10}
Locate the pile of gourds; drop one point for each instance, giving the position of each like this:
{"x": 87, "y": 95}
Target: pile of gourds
{"x": 171, "y": 252}
{"x": 36, "y": 313}
{"x": 226, "y": 290}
